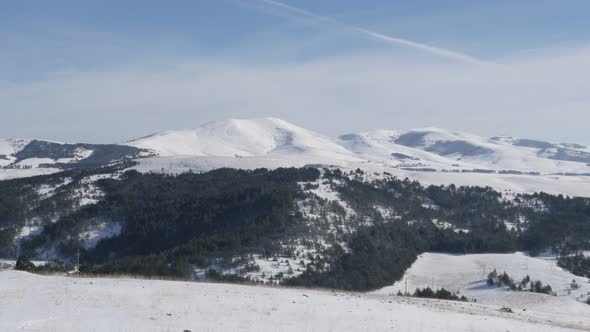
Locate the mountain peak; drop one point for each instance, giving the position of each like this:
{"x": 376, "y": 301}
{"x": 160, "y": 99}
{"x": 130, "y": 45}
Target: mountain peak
{"x": 238, "y": 137}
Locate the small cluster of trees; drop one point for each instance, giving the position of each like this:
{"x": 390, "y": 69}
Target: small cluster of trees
{"x": 504, "y": 280}
{"x": 23, "y": 263}
{"x": 577, "y": 264}
{"x": 441, "y": 294}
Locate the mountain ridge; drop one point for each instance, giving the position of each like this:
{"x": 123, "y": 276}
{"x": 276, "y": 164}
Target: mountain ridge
{"x": 433, "y": 155}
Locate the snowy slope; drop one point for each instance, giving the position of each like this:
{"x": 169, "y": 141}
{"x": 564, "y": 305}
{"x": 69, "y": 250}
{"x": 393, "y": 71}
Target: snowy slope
{"x": 505, "y": 183}
{"x": 37, "y": 303}
{"x": 420, "y": 148}
{"x": 379, "y": 145}
{"x": 7, "y": 174}
{"x": 437, "y": 147}
{"x": 243, "y": 138}
{"x": 9, "y": 147}
{"x": 467, "y": 275}
{"x": 432, "y": 155}
{"x": 24, "y": 158}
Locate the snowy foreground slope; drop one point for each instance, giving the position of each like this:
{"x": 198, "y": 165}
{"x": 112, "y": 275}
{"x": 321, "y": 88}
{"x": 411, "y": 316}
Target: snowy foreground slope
{"x": 37, "y": 303}
{"x": 467, "y": 274}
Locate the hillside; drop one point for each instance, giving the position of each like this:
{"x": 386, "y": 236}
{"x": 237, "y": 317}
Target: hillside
{"x": 301, "y": 226}
{"x": 467, "y": 274}
{"x": 242, "y": 138}
{"x": 23, "y": 158}
{"x": 350, "y": 217}
{"x": 149, "y": 305}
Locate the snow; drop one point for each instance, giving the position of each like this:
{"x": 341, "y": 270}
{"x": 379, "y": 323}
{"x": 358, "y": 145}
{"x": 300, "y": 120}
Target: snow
{"x": 43, "y": 303}
{"x": 27, "y": 231}
{"x": 82, "y": 153}
{"x": 88, "y": 194}
{"x": 98, "y": 231}
{"x": 46, "y": 191}
{"x": 13, "y": 173}
{"x": 467, "y": 275}
{"x": 566, "y": 185}
{"x": 272, "y": 143}
{"x": 241, "y": 138}
{"x": 270, "y": 267}
{"x": 446, "y": 225}
{"x": 37, "y": 162}
{"x": 8, "y": 147}
{"x": 8, "y": 264}
{"x": 552, "y": 184}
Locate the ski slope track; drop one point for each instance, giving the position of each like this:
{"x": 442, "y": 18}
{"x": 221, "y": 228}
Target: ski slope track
{"x": 54, "y": 303}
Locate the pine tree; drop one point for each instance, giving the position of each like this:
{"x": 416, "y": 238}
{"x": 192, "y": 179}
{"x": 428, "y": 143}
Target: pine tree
{"x": 23, "y": 263}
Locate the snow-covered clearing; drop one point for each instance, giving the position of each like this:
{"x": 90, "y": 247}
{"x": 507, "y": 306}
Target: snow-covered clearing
{"x": 467, "y": 274}
{"x": 98, "y": 230}
{"x": 15, "y": 173}
{"x": 38, "y": 303}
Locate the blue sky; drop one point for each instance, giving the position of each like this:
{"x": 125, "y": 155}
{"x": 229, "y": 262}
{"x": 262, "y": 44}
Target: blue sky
{"x": 176, "y": 64}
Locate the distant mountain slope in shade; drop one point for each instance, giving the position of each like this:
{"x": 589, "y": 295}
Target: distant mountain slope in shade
{"x": 34, "y": 154}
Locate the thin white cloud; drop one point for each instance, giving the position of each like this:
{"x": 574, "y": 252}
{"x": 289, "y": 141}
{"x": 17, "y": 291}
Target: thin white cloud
{"x": 383, "y": 37}
{"x": 543, "y": 97}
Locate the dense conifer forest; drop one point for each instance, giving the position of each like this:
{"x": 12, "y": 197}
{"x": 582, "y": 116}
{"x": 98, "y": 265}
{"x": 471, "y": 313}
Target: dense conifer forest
{"x": 174, "y": 225}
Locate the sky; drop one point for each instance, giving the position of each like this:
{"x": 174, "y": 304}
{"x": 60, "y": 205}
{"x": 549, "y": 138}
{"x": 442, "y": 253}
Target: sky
{"x": 109, "y": 71}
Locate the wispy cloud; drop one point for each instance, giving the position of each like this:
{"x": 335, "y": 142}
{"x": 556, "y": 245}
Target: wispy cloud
{"x": 383, "y": 37}
{"x": 541, "y": 97}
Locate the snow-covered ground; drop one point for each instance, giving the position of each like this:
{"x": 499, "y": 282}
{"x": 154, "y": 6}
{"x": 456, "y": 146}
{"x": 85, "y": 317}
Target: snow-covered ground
{"x": 509, "y": 183}
{"x": 14, "y": 173}
{"x": 38, "y": 303}
{"x": 8, "y": 147}
{"x": 96, "y": 230}
{"x": 467, "y": 275}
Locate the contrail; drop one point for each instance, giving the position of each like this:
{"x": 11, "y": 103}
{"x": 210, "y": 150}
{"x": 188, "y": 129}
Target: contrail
{"x": 389, "y": 39}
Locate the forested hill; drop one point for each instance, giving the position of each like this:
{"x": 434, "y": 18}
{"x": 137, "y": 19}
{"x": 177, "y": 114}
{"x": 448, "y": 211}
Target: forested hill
{"x": 300, "y": 226}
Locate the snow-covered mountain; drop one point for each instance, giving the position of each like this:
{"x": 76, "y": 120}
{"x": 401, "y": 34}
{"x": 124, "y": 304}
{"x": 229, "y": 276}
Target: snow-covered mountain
{"x": 432, "y": 155}
{"x": 19, "y": 157}
{"x": 453, "y": 150}
{"x": 429, "y": 147}
{"x": 243, "y": 138}
{"x": 8, "y": 149}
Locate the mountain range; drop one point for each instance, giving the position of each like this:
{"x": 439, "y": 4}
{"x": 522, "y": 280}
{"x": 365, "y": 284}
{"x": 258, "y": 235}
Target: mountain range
{"x": 452, "y": 157}
{"x": 266, "y": 201}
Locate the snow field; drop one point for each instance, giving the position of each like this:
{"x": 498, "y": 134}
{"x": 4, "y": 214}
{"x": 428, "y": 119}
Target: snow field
{"x": 40, "y": 303}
